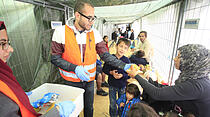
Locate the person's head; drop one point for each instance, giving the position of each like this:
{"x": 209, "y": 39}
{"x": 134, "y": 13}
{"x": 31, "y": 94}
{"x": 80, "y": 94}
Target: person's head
{"x": 141, "y": 110}
{"x": 105, "y": 38}
{"x": 140, "y": 53}
{"x": 132, "y": 30}
{"x": 132, "y": 91}
{"x": 84, "y": 15}
{"x": 5, "y": 48}
{"x": 193, "y": 60}
{"x": 122, "y": 46}
{"x": 142, "y": 35}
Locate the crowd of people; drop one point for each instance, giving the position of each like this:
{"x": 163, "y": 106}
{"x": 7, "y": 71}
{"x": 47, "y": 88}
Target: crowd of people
{"x": 74, "y": 51}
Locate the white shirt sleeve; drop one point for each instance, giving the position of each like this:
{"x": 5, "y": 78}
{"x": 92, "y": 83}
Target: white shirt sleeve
{"x": 59, "y": 35}
{"x": 97, "y": 35}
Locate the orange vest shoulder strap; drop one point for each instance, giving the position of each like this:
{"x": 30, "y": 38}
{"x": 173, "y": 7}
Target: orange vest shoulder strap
{"x": 90, "y": 49}
{"x": 71, "y": 47}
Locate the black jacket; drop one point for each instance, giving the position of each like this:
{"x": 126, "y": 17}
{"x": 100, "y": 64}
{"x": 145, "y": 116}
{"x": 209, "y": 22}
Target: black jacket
{"x": 131, "y": 36}
{"x": 137, "y": 60}
{"x": 193, "y": 95}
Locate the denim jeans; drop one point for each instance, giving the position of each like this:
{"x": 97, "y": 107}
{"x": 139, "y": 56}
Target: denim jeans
{"x": 88, "y": 95}
{"x": 112, "y": 99}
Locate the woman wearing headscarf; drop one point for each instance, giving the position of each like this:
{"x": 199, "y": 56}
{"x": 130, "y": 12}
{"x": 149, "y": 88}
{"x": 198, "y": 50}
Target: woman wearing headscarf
{"x": 192, "y": 88}
{"x": 13, "y": 100}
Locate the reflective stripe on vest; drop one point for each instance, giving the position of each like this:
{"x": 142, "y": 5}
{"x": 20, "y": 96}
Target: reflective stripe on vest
{"x": 73, "y": 75}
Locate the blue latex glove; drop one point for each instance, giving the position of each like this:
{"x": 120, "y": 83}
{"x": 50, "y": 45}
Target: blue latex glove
{"x": 36, "y": 104}
{"x": 127, "y": 66}
{"x": 82, "y": 73}
{"x": 66, "y": 108}
{"x": 47, "y": 97}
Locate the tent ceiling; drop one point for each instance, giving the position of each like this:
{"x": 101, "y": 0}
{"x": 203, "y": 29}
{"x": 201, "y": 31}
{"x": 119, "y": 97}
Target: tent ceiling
{"x": 116, "y": 11}
{"x": 99, "y": 3}
{"x": 129, "y": 13}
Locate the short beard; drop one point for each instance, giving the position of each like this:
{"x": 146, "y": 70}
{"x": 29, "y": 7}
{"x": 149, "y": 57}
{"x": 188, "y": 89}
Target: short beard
{"x": 83, "y": 27}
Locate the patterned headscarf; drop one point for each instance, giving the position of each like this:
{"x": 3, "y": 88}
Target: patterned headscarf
{"x": 194, "y": 62}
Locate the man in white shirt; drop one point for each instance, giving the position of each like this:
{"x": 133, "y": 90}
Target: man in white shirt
{"x": 145, "y": 45}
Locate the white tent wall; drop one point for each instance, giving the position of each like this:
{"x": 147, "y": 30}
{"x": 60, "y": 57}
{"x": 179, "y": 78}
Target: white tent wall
{"x": 136, "y": 26}
{"x": 108, "y": 28}
{"x": 196, "y": 9}
{"x": 161, "y": 26}
{"x": 99, "y": 25}
{"x": 162, "y": 32}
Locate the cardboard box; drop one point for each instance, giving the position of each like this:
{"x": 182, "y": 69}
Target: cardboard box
{"x": 66, "y": 93}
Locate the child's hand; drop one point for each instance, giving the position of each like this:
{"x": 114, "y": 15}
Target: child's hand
{"x": 122, "y": 104}
{"x": 116, "y": 74}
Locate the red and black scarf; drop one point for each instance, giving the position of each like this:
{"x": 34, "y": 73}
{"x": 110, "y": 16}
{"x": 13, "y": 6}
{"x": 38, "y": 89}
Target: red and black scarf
{"x": 6, "y": 76}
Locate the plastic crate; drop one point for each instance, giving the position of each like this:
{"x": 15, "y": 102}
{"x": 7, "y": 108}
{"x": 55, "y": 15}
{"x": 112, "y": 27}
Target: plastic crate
{"x": 66, "y": 93}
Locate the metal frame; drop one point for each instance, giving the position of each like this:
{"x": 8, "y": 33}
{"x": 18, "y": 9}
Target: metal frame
{"x": 183, "y": 6}
{"x": 39, "y": 3}
{"x": 66, "y": 9}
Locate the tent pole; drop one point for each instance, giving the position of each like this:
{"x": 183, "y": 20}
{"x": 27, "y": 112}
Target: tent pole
{"x": 177, "y": 38}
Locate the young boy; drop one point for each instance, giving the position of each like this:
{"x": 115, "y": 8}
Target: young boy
{"x": 127, "y": 100}
{"x": 117, "y": 77}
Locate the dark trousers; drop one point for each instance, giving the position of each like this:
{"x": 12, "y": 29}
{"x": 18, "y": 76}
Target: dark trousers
{"x": 113, "y": 91}
{"x": 88, "y": 95}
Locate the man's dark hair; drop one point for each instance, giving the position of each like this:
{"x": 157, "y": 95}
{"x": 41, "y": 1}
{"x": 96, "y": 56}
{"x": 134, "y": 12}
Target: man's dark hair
{"x": 126, "y": 41}
{"x": 79, "y": 5}
{"x": 141, "y": 110}
{"x": 145, "y": 33}
{"x": 140, "y": 53}
{"x": 133, "y": 89}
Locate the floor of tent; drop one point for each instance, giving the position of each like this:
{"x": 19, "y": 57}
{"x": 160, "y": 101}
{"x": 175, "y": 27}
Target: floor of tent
{"x": 101, "y": 105}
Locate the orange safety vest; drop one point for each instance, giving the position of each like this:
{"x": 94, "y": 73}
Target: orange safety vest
{"x": 72, "y": 54}
{"x": 8, "y": 92}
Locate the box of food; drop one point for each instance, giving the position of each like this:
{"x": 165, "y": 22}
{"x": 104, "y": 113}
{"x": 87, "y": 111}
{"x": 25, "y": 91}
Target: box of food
{"x": 66, "y": 93}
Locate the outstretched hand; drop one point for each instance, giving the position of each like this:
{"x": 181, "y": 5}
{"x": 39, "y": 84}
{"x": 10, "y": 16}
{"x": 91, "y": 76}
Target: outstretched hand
{"x": 133, "y": 71}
